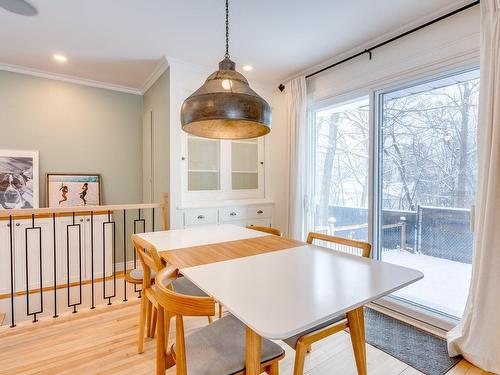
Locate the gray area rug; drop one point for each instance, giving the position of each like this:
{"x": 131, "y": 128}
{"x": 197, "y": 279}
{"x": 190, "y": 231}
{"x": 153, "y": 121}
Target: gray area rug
{"x": 417, "y": 348}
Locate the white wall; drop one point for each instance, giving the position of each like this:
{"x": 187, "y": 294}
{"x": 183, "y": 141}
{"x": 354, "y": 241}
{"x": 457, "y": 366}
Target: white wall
{"x": 156, "y": 139}
{"x": 76, "y": 129}
{"x": 447, "y": 45}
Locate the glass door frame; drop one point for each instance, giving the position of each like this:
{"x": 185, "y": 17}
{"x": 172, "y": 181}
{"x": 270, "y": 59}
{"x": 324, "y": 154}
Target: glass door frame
{"x": 309, "y": 200}
{"x": 427, "y": 315}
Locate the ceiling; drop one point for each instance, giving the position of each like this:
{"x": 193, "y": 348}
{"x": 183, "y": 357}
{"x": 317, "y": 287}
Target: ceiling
{"x": 122, "y": 42}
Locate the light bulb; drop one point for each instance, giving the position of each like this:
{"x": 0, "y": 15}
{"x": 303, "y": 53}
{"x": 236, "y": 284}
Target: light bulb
{"x": 60, "y": 58}
{"x": 227, "y": 84}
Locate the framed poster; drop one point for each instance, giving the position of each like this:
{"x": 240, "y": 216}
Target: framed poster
{"x": 18, "y": 179}
{"x": 73, "y": 189}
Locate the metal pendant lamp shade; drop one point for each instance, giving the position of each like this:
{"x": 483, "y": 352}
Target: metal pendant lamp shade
{"x": 225, "y": 107}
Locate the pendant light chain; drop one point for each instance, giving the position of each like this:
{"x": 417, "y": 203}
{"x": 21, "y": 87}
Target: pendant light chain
{"x": 227, "y": 29}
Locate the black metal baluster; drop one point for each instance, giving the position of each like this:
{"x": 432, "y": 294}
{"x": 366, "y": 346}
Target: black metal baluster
{"x": 139, "y": 220}
{"x": 92, "y": 259}
{"x": 55, "y": 264}
{"x": 39, "y": 229}
{"x": 12, "y": 319}
{"x": 104, "y": 258}
{"x": 79, "y": 263}
{"x": 124, "y": 255}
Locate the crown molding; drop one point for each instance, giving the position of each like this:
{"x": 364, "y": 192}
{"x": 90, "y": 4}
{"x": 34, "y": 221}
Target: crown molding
{"x": 160, "y": 68}
{"x": 66, "y": 78}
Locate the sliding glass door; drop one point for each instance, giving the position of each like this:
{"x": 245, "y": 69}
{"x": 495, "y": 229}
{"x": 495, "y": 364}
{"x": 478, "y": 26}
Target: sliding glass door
{"x": 421, "y": 144}
{"x": 427, "y": 184}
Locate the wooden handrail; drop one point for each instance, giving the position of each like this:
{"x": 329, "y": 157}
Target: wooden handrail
{"x": 56, "y": 210}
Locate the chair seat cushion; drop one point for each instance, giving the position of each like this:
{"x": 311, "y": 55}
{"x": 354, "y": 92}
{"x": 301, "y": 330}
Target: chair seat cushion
{"x": 292, "y": 341}
{"x": 184, "y": 286}
{"x": 137, "y": 275}
{"x": 219, "y": 348}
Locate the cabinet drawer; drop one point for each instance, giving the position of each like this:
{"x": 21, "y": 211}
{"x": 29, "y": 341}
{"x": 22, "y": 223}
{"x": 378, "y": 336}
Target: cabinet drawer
{"x": 257, "y": 212}
{"x": 202, "y": 216}
{"x": 232, "y": 213}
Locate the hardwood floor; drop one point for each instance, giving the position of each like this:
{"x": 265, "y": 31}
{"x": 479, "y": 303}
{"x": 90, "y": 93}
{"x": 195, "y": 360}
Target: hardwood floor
{"x": 104, "y": 341}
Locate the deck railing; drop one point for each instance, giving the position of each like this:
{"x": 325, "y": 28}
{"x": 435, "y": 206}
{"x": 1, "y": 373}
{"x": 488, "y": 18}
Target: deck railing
{"x": 55, "y": 257}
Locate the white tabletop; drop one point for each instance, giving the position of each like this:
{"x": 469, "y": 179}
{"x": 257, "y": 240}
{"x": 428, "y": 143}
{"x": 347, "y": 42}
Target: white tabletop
{"x": 282, "y": 293}
{"x": 198, "y": 236}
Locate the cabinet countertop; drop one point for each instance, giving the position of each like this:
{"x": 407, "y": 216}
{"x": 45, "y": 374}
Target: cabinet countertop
{"x": 225, "y": 203}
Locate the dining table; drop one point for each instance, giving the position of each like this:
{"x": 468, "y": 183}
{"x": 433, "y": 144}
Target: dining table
{"x": 279, "y": 287}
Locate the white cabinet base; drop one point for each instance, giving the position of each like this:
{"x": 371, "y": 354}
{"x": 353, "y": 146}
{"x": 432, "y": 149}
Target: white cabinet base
{"x": 237, "y": 214}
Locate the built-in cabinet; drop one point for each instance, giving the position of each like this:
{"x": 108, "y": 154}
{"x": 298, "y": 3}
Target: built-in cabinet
{"x": 223, "y": 182}
{"x": 223, "y": 169}
{"x": 33, "y": 242}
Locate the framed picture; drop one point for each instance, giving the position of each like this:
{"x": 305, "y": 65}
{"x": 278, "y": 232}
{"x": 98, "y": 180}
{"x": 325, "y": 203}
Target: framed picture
{"x": 18, "y": 179}
{"x": 73, "y": 189}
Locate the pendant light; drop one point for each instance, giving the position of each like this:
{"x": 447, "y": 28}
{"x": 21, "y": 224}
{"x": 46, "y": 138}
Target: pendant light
{"x": 225, "y": 107}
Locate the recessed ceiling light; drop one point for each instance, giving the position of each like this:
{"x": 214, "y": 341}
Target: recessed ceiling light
{"x": 60, "y": 58}
{"x": 247, "y": 68}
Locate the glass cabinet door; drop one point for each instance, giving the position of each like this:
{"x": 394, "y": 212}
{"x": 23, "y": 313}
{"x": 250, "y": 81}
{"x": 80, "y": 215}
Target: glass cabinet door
{"x": 203, "y": 164}
{"x": 244, "y": 164}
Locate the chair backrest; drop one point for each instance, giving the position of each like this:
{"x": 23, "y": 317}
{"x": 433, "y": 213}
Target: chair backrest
{"x": 341, "y": 244}
{"x": 180, "y": 305}
{"x": 269, "y": 230}
{"x": 149, "y": 258}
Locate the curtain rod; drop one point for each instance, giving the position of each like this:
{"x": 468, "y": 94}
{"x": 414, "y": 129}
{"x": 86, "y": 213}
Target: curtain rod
{"x": 369, "y": 50}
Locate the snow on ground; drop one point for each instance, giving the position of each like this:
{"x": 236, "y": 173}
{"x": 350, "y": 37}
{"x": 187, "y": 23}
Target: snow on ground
{"x": 445, "y": 284}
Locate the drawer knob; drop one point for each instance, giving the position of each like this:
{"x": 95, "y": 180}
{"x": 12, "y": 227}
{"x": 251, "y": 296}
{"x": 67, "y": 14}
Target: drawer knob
{"x": 18, "y": 224}
{"x": 260, "y": 212}
{"x": 200, "y": 217}
{"x": 232, "y": 214}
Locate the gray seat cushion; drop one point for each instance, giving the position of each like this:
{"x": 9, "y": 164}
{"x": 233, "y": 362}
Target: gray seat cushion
{"x": 138, "y": 274}
{"x": 292, "y": 341}
{"x": 184, "y": 286}
{"x": 219, "y": 348}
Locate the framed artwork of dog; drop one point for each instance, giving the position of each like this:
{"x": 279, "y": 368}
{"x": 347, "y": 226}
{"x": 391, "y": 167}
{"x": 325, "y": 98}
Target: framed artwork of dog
{"x": 19, "y": 181}
{"x": 73, "y": 189}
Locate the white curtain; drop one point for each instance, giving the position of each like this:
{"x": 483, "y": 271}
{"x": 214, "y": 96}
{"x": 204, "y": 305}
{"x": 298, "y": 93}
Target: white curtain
{"x": 296, "y": 104}
{"x": 477, "y": 336}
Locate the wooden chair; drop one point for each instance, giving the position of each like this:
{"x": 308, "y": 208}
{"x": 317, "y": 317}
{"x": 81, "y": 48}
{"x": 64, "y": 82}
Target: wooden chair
{"x": 269, "y": 230}
{"x": 218, "y": 348}
{"x": 341, "y": 244}
{"x": 151, "y": 265}
{"x": 302, "y": 341}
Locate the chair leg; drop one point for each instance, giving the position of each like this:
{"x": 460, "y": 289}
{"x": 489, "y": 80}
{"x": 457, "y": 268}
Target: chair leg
{"x": 160, "y": 342}
{"x": 153, "y": 322}
{"x": 220, "y": 310}
{"x": 273, "y": 369}
{"x": 148, "y": 316}
{"x": 300, "y": 357}
{"x": 167, "y": 318}
{"x": 142, "y": 325}
{"x": 356, "y": 322}
{"x": 210, "y": 319}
